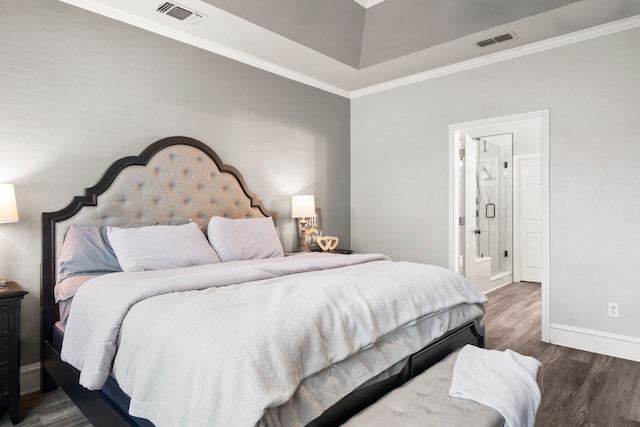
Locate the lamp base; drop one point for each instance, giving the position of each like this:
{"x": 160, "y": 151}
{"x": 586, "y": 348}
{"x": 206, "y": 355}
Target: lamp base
{"x": 3, "y": 282}
{"x": 303, "y": 246}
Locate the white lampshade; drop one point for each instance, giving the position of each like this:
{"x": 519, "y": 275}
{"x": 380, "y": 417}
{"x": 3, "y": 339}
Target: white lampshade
{"x": 8, "y": 208}
{"x": 303, "y": 206}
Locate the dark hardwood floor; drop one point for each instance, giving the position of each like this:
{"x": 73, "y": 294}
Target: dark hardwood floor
{"x": 53, "y": 409}
{"x": 579, "y": 388}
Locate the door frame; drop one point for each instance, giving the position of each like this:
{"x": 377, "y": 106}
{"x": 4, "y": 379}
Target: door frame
{"x": 470, "y": 209}
{"x": 517, "y": 220}
{"x": 541, "y": 118}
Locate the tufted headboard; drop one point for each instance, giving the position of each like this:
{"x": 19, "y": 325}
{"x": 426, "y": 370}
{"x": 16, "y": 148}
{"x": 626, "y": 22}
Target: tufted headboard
{"x": 174, "y": 178}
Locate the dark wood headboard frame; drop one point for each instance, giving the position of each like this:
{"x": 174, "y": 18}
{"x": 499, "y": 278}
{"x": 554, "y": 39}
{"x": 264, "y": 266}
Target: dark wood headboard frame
{"x": 90, "y": 198}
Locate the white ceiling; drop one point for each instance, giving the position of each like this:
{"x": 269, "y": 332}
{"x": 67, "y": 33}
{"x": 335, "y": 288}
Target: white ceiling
{"x": 229, "y": 35}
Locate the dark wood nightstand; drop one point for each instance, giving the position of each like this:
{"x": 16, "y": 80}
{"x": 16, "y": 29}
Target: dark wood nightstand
{"x": 341, "y": 251}
{"x": 335, "y": 251}
{"x": 10, "y": 298}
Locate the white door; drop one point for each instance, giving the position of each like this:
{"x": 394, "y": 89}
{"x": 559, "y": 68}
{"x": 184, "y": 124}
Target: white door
{"x": 530, "y": 212}
{"x": 470, "y": 194}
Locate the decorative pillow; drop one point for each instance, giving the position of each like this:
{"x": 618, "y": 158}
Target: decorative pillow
{"x": 86, "y": 250}
{"x": 159, "y": 247}
{"x": 240, "y": 239}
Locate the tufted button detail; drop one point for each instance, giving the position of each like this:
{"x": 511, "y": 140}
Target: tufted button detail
{"x": 236, "y": 203}
{"x": 156, "y": 200}
{"x": 187, "y": 200}
{"x": 156, "y": 171}
{"x": 225, "y": 188}
{"x": 200, "y": 159}
{"x": 186, "y": 172}
{"x": 214, "y": 201}
{"x": 172, "y": 185}
{"x": 200, "y": 187}
{"x": 140, "y": 185}
{"x": 213, "y": 174}
{"x": 172, "y": 156}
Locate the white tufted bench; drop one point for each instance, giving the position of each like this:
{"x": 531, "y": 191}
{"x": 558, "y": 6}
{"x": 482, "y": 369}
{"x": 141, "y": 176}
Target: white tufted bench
{"x": 424, "y": 402}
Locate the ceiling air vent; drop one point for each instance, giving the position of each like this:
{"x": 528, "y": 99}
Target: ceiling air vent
{"x": 497, "y": 39}
{"x": 503, "y": 38}
{"x": 179, "y": 12}
{"x": 487, "y": 42}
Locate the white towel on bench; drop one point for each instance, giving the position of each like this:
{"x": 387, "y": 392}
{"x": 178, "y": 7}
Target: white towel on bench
{"x": 503, "y": 380}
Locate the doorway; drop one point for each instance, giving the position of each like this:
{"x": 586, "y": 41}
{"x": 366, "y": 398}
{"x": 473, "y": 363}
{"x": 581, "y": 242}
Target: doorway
{"x": 478, "y": 179}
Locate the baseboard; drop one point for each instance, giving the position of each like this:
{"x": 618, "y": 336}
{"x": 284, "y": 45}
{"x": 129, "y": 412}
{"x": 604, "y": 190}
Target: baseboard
{"x": 497, "y": 287}
{"x": 615, "y": 345}
{"x": 30, "y": 378}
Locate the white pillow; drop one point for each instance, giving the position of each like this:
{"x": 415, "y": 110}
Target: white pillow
{"x": 158, "y": 247}
{"x": 240, "y": 239}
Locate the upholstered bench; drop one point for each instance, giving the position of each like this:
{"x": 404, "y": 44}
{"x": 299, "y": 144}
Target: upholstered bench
{"x": 424, "y": 402}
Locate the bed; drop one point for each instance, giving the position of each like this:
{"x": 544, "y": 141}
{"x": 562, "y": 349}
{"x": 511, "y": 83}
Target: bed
{"x": 178, "y": 182}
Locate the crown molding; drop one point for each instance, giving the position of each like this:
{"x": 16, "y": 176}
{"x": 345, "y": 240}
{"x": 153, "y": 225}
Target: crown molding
{"x": 207, "y": 45}
{"x": 516, "y": 52}
{"x": 286, "y": 72}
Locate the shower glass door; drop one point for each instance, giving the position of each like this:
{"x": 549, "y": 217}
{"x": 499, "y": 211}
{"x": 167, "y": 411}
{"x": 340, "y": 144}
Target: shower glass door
{"x": 494, "y": 179}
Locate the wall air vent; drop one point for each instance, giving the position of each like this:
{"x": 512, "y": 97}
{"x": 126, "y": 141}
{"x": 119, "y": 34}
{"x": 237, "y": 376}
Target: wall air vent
{"x": 497, "y": 39}
{"x": 179, "y": 12}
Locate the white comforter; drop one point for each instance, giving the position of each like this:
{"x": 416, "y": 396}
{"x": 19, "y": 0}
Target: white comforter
{"x": 247, "y": 348}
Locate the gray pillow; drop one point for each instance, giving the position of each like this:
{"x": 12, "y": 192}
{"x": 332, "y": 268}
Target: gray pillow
{"x": 86, "y": 250}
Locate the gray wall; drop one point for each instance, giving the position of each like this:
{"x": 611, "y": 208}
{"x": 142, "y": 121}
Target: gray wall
{"x": 80, "y": 91}
{"x": 400, "y": 168}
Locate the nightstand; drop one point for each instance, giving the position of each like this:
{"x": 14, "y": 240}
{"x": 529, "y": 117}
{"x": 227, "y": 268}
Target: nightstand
{"x": 335, "y": 251}
{"x": 10, "y": 298}
{"x": 341, "y": 251}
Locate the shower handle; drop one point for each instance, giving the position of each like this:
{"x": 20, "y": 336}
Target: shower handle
{"x": 477, "y": 231}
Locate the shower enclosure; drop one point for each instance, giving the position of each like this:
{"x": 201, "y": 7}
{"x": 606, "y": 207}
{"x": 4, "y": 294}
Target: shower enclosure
{"x": 494, "y": 201}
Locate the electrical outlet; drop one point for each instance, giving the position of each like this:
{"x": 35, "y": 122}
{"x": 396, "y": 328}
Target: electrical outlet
{"x": 613, "y": 309}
